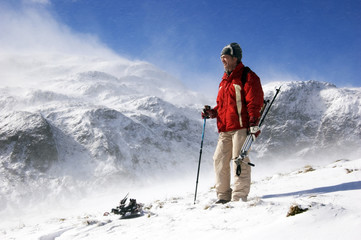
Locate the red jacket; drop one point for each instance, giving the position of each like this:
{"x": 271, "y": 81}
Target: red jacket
{"x": 237, "y": 103}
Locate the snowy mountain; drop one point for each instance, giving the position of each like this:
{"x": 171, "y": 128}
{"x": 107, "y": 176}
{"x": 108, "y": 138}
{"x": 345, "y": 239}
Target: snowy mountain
{"x": 312, "y": 120}
{"x": 81, "y": 130}
{"x": 97, "y": 130}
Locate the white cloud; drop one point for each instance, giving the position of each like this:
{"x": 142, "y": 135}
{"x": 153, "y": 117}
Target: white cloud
{"x": 32, "y": 41}
{"x": 35, "y": 30}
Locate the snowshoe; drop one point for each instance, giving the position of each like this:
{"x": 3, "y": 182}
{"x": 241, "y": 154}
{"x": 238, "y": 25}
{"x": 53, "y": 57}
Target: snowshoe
{"x": 130, "y": 210}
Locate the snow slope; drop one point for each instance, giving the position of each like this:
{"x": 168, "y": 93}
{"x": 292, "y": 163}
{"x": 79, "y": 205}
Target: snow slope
{"x": 330, "y": 195}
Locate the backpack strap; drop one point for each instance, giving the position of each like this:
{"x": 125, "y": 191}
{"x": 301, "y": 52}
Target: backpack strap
{"x": 245, "y": 72}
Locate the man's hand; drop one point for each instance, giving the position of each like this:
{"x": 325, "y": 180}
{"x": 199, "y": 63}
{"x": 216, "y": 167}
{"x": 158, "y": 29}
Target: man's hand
{"x": 208, "y": 112}
{"x": 253, "y": 127}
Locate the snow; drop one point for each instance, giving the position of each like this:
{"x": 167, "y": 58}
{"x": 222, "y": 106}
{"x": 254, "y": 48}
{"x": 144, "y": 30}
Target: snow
{"x": 136, "y": 129}
{"x": 331, "y": 194}
{"x": 115, "y": 137}
{"x": 121, "y": 126}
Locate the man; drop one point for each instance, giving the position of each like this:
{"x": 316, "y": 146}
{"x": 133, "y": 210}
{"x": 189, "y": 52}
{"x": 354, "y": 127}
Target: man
{"x": 237, "y": 112}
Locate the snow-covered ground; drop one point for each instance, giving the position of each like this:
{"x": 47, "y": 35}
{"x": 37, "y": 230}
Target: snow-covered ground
{"x": 330, "y": 193}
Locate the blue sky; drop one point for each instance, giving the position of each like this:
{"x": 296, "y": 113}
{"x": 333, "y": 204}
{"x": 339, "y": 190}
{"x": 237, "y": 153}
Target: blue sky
{"x": 281, "y": 40}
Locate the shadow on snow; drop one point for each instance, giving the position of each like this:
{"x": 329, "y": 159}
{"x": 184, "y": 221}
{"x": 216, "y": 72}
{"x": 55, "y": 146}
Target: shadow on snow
{"x": 336, "y": 188}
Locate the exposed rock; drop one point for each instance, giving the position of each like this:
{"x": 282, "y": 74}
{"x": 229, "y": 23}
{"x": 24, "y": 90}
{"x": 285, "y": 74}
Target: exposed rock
{"x": 26, "y": 140}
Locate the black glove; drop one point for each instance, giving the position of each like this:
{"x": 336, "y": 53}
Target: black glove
{"x": 208, "y": 112}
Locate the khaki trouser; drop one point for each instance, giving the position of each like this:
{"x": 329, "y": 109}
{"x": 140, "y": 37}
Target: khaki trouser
{"x": 228, "y": 147}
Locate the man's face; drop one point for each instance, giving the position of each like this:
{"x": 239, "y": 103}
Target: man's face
{"x": 229, "y": 62}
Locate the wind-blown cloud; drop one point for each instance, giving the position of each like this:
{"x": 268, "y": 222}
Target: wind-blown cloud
{"x": 35, "y": 46}
{"x": 38, "y": 49}
{"x": 32, "y": 29}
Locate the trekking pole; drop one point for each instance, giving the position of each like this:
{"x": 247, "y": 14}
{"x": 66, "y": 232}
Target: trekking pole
{"x": 199, "y": 162}
{"x": 250, "y": 139}
{"x": 267, "y": 110}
